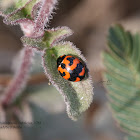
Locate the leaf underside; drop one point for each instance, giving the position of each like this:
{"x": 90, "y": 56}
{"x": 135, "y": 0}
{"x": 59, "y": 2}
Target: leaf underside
{"x": 77, "y": 95}
{"x": 123, "y": 70}
{"x": 17, "y": 11}
{"x": 132, "y": 138}
{"x": 50, "y": 38}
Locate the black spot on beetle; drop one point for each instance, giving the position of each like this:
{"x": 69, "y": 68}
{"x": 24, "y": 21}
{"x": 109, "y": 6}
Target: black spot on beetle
{"x": 71, "y": 60}
{"x": 63, "y": 66}
{"x": 72, "y": 78}
{"x": 59, "y": 60}
{"x": 73, "y": 75}
{"x": 81, "y": 77}
{"x": 79, "y": 67}
{"x": 62, "y": 74}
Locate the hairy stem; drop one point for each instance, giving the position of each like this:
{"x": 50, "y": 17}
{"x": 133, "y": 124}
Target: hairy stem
{"x": 30, "y": 28}
{"x": 20, "y": 79}
{"x": 44, "y": 15}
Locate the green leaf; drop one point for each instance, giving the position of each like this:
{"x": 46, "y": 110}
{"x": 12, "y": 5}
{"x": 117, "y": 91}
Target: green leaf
{"x": 17, "y": 11}
{"x": 123, "y": 68}
{"x": 53, "y": 36}
{"x": 8, "y": 7}
{"x": 132, "y": 138}
{"x": 77, "y": 95}
{"x": 50, "y": 38}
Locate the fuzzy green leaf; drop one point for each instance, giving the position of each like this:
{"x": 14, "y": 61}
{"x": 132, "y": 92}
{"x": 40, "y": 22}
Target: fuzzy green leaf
{"x": 77, "y": 95}
{"x": 17, "y": 10}
{"x": 7, "y": 7}
{"x": 50, "y": 38}
{"x": 122, "y": 63}
{"x": 53, "y": 36}
{"x": 132, "y": 138}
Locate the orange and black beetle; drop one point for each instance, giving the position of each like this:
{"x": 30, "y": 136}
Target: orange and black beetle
{"x": 71, "y": 68}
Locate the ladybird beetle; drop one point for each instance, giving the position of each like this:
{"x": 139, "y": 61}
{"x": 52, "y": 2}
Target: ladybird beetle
{"x": 71, "y": 68}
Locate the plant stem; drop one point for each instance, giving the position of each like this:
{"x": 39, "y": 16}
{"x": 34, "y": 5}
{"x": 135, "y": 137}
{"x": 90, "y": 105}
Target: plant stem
{"x": 43, "y": 16}
{"x": 20, "y": 79}
{"x": 32, "y": 29}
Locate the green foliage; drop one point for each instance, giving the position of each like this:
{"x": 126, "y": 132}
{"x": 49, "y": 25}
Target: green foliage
{"x": 55, "y": 35}
{"x": 33, "y": 16}
{"x": 17, "y": 10}
{"x": 132, "y": 138}
{"x": 77, "y": 95}
{"x": 122, "y": 63}
{"x": 50, "y": 37}
{"x": 9, "y": 7}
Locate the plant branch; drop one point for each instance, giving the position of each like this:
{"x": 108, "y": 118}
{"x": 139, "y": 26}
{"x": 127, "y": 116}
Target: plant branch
{"x": 43, "y": 16}
{"x": 18, "y": 83}
{"x": 30, "y": 28}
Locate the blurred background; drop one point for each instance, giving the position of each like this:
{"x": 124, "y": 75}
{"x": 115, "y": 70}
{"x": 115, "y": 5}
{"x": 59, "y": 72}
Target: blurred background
{"x": 90, "y": 20}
